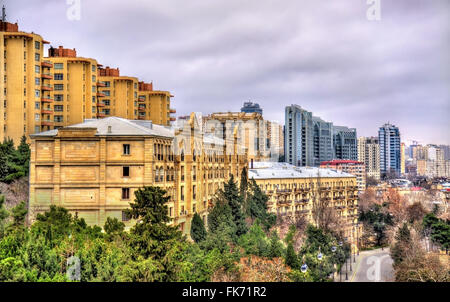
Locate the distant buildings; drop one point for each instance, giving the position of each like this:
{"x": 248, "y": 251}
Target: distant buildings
{"x": 349, "y": 166}
{"x": 430, "y": 161}
{"x": 369, "y": 154}
{"x": 309, "y": 140}
{"x": 250, "y": 107}
{"x": 390, "y": 155}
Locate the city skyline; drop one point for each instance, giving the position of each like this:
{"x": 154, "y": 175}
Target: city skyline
{"x": 332, "y": 60}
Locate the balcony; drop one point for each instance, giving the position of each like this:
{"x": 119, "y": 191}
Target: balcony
{"x": 140, "y": 117}
{"x": 46, "y": 100}
{"x": 47, "y": 111}
{"x": 47, "y": 76}
{"x": 172, "y": 119}
{"x": 100, "y": 104}
{"x": 100, "y": 95}
{"x": 46, "y": 87}
{"x": 101, "y": 84}
{"x": 47, "y": 64}
{"x": 101, "y": 115}
{"x": 141, "y": 109}
{"x": 47, "y": 123}
{"x": 141, "y": 99}
{"x": 172, "y": 111}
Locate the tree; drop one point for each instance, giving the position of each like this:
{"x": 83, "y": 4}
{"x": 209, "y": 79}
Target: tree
{"x": 113, "y": 226}
{"x": 403, "y": 244}
{"x": 323, "y": 213}
{"x": 198, "y": 231}
{"x": 152, "y": 237}
{"x": 415, "y": 212}
{"x": 257, "y": 206}
{"x": 243, "y": 186}
{"x": 3, "y": 216}
{"x": 291, "y": 258}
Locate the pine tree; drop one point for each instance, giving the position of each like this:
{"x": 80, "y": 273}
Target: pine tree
{"x": 198, "y": 231}
{"x": 291, "y": 258}
{"x": 232, "y": 195}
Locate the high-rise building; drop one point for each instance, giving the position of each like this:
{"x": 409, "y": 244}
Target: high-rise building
{"x": 275, "y": 139}
{"x": 44, "y": 93}
{"x": 323, "y": 141}
{"x": 309, "y": 140}
{"x": 298, "y": 136}
{"x": 369, "y": 154}
{"x": 389, "y": 139}
{"x": 25, "y": 81}
{"x": 345, "y": 143}
{"x": 250, "y": 107}
{"x": 402, "y": 158}
{"x": 154, "y": 105}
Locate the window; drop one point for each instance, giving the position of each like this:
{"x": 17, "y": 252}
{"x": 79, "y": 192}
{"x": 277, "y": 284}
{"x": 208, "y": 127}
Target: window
{"x": 59, "y": 118}
{"x": 125, "y": 193}
{"x": 37, "y": 116}
{"x": 106, "y": 92}
{"x": 59, "y": 108}
{"x": 37, "y": 92}
{"x": 107, "y": 83}
{"x": 94, "y": 79}
{"x": 37, "y": 129}
{"x": 194, "y": 192}
{"x": 125, "y": 216}
{"x": 58, "y": 66}
{"x": 58, "y": 76}
{"x": 37, "y": 69}
{"x": 93, "y": 89}
{"x": 37, "y": 57}
{"x": 59, "y": 97}
{"x": 93, "y": 67}
{"x": 37, "y": 45}
{"x": 182, "y": 192}
{"x": 37, "y": 81}
{"x": 59, "y": 86}
{"x": 94, "y": 109}
{"x": 125, "y": 171}
{"x": 126, "y": 149}
{"x": 37, "y": 105}
{"x": 106, "y": 102}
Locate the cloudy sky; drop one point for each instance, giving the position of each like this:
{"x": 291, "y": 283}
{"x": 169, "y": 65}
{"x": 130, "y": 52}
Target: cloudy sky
{"x": 323, "y": 55}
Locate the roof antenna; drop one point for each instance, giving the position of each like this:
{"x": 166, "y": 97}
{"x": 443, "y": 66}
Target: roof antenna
{"x": 4, "y": 14}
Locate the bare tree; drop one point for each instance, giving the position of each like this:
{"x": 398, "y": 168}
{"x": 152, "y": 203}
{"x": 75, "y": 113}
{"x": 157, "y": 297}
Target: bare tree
{"x": 323, "y": 213}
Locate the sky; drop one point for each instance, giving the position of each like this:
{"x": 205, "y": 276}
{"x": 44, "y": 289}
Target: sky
{"x": 326, "y": 56}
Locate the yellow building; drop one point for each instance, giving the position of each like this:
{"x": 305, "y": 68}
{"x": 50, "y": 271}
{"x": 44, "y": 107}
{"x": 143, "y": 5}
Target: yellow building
{"x": 42, "y": 93}
{"x": 24, "y": 82}
{"x": 154, "y": 105}
{"x": 117, "y": 94}
{"x": 291, "y": 192}
{"x": 73, "y": 94}
{"x": 94, "y": 168}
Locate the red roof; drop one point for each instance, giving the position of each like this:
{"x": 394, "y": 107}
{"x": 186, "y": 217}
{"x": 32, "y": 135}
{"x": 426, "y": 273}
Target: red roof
{"x": 340, "y": 162}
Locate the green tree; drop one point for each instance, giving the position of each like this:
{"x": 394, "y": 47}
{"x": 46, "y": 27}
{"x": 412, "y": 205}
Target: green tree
{"x": 198, "y": 231}
{"x": 231, "y": 194}
{"x": 402, "y": 245}
{"x": 291, "y": 258}
{"x": 257, "y": 206}
{"x": 113, "y": 226}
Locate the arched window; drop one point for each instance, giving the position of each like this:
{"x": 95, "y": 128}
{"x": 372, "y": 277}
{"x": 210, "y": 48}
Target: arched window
{"x": 182, "y": 155}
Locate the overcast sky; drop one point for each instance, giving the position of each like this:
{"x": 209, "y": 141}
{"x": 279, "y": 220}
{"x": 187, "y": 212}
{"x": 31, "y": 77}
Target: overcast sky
{"x": 323, "y": 55}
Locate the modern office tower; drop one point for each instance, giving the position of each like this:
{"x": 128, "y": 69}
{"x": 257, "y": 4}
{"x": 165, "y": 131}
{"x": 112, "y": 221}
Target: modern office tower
{"x": 369, "y": 154}
{"x": 94, "y": 168}
{"x": 345, "y": 143}
{"x": 119, "y": 95}
{"x": 389, "y": 138}
{"x": 323, "y": 141}
{"x": 73, "y": 96}
{"x": 298, "y": 136}
{"x": 25, "y": 81}
{"x": 250, "y": 107}
{"x": 353, "y": 167}
{"x": 402, "y": 158}
{"x": 154, "y": 105}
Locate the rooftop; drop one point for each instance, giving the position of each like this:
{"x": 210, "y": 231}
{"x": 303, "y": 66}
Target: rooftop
{"x": 276, "y": 170}
{"x": 116, "y": 126}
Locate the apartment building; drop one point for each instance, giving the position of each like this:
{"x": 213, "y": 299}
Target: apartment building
{"x": 369, "y": 154}
{"x": 154, "y": 105}
{"x": 292, "y": 190}
{"x": 390, "y": 158}
{"x": 94, "y": 168}
{"x": 25, "y": 82}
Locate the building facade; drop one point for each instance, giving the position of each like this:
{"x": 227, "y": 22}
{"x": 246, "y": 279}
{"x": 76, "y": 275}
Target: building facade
{"x": 345, "y": 143}
{"x": 154, "y": 105}
{"x": 390, "y": 158}
{"x": 292, "y": 190}
{"x": 298, "y": 136}
{"x": 94, "y": 168}
{"x": 369, "y": 154}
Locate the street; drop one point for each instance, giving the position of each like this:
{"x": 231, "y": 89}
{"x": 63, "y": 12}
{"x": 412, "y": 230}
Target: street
{"x": 373, "y": 266}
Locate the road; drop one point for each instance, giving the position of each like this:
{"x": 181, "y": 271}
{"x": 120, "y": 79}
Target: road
{"x": 373, "y": 266}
